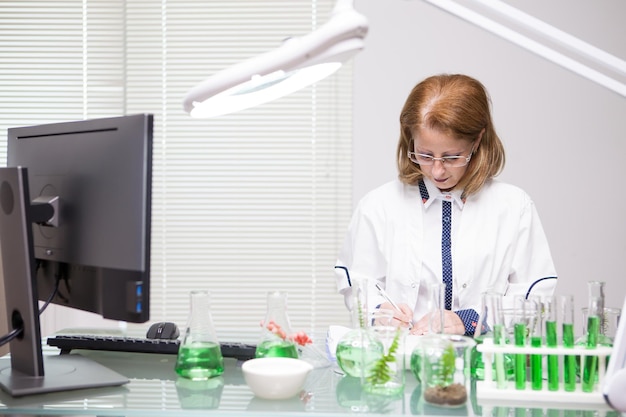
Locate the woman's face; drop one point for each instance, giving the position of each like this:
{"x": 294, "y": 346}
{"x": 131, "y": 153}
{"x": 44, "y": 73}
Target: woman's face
{"x": 438, "y": 145}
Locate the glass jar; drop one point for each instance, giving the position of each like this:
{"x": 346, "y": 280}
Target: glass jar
{"x": 445, "y": 369}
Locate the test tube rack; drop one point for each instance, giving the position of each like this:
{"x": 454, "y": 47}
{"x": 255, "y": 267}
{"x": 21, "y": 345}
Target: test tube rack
{"x": 488, "y": 389}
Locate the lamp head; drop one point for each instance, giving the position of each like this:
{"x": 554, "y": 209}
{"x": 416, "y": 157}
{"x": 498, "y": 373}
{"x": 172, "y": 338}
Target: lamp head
{"x": 297, "y": 63}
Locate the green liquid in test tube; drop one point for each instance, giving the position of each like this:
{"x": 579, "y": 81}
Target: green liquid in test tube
{"x": 536, "y": 368}
{"x": 591, "y": 361}
{"x": 499, "y": 339}
{"x": 535, "y": 313}
{"x": 553, "y": 360}
{"x": 519, "y": 331}
{"x": 551, "y": 341}
{"x": 569, "y": 361}
{"x": 595, "y": 310}
{"x": 567, "y": 323}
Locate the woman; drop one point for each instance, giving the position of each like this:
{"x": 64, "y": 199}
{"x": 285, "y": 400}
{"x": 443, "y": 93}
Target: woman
{"x": 446, "y": 219}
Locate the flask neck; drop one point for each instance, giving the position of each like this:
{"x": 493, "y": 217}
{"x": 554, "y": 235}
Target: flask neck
{"x": 277, "y": 311}
{"x": 200, "y": 323}
{"x": 359, "y": 303}
{"x": 436, "y": 308}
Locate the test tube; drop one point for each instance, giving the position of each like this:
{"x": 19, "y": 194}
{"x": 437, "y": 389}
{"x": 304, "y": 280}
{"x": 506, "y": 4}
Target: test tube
{"x": 534, "y": 309}
{"x": 519, "y": 336}
{"x": 492, "y": 305}
{"x": 551, "y": 341}
{"x": 567, "y": 324}
{"x": 596, "y": 309}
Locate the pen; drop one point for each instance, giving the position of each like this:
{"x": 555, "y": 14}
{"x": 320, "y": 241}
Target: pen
{"x": 384, "y": 294}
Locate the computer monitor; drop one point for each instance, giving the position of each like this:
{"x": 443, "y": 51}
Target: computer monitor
{"x": 75, "y": 207}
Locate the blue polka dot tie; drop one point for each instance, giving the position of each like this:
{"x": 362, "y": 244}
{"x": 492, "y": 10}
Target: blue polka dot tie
{"x": 446, "y": 253}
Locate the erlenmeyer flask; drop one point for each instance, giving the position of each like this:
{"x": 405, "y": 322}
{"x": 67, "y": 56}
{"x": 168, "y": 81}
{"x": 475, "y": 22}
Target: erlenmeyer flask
{"x": 199, "y": 355}
{"x": 276, "y": 329}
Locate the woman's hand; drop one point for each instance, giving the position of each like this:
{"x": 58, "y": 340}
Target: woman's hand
{"x": 403, "y": 318}
{"x": 452, "y": 324}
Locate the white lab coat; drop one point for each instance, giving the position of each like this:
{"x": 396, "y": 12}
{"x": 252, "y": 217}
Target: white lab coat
{"x": 498, "y": 244}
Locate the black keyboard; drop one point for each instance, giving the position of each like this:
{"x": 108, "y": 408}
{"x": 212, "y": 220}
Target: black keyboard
{"x": 240, "y": 351}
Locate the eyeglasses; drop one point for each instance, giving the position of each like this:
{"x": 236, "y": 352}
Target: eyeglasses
{"x": 447, "y": 161}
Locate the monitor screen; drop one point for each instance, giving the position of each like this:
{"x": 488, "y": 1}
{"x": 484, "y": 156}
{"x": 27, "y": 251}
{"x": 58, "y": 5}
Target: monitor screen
{"x": 75, "y": 218}
{"x": 100, "y": 172}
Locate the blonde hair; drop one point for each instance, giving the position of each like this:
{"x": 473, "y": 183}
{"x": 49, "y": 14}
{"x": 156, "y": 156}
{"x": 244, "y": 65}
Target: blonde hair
{"x": 459, "y": 106}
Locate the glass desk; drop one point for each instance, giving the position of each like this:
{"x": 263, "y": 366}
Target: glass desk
{"x": 156, "y": 390}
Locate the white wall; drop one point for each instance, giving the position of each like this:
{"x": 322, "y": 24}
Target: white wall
{"x": 564, "y": 134}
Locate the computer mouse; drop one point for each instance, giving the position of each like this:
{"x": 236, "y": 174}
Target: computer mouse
{"x": 163, "y": 330}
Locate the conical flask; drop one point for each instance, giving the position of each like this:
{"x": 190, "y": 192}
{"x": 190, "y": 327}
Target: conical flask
{"x": 276, "y": 331}
{"x": 199, "y": 355}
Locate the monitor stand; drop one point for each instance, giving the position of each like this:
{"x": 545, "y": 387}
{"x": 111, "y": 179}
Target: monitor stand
{"x": 62, "y": 373}
{"x": 27, "y": 371}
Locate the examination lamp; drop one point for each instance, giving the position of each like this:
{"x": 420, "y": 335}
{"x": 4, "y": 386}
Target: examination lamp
{"x": 297, "y": 63}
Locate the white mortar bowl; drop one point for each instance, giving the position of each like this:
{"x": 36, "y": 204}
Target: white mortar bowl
{"x": 275, "y": 378}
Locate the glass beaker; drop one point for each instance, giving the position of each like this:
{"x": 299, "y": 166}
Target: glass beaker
{"x": 609, "y": 321}
{"x": 200, "y": 355}
{"x": 275, "y": 340}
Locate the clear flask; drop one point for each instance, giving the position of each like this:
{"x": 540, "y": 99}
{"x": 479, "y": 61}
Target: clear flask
{"x": 359, "y": 348}
{"x": 199, "y": 356}
{"x": 275, "y": 341}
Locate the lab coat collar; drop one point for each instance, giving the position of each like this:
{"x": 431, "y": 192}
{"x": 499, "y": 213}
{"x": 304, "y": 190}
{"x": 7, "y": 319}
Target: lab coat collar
{"x": 435, "y": 193}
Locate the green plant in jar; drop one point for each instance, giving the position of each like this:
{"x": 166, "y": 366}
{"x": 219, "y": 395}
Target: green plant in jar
{"x": 445, "y": 360}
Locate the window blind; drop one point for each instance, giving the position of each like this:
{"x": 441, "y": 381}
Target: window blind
{"x": 242, "y": 204}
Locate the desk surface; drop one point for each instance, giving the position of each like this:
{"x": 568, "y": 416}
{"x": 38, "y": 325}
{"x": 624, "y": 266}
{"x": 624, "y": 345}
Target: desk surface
{"x": 155, "y": 389}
